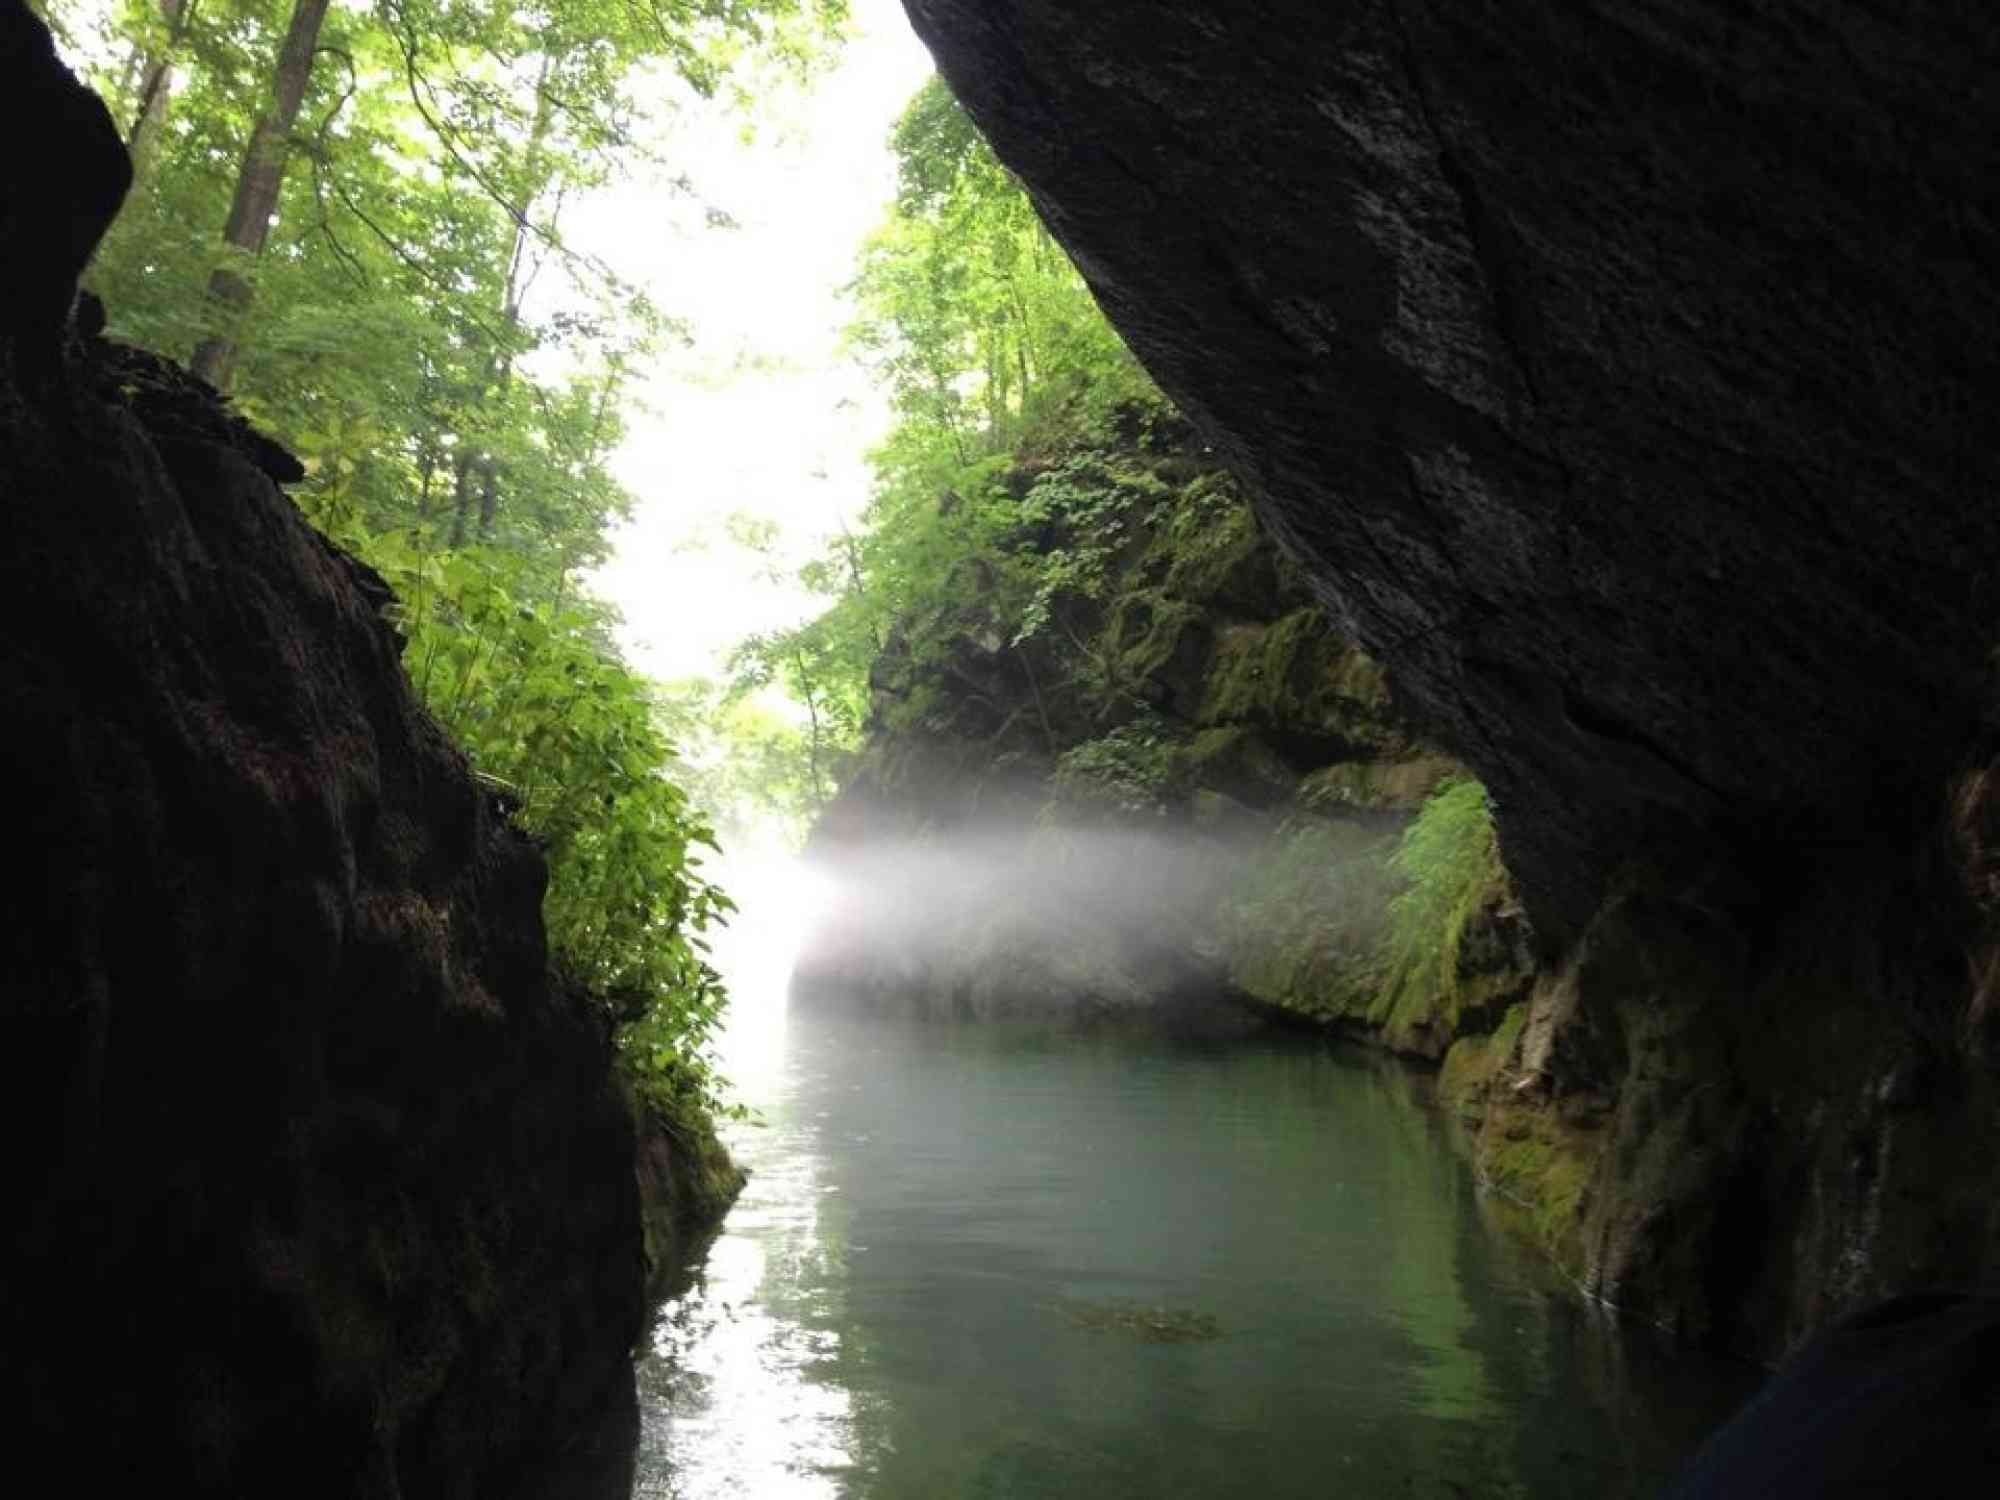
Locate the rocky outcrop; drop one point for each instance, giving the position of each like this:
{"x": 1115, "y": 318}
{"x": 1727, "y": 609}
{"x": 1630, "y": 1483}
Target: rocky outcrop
{"x": 1737, "y": 1144}
{"x": 66, "y": 175}
{"x": 1174, "y": 798}
{"x": 687, "y": 1182}
{"x": 317, "y": 1184}
{"x": 1617, "y": 374}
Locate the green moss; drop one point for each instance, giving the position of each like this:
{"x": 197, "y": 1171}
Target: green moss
{"x": 1449, "y": 861}
{"x": 1475, "y": 1061}
{"x": 1548, "y": 1180}
{"x": 1213, "y": 534}
{"x": 1261, "y": 672}
{"x": 1145, "y": 629}
{"x": 1542, "y": 1169}
{"x": 1402, "y": 782}
{"x": 1207, "y": 746}
{"x": 687, "y": 1181}
{"x": 1302, "y": 924}
{"x": 1461, "y": 1079}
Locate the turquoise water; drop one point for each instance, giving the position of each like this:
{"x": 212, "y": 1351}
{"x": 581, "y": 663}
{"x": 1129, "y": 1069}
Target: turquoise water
{"x": 937, "y": 1282}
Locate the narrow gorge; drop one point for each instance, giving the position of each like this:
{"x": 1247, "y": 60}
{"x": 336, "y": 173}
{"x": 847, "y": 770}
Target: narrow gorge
{"x": 1506, "y": 587}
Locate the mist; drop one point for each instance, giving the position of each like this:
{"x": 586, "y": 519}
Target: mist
{"x": 997, "y": 920}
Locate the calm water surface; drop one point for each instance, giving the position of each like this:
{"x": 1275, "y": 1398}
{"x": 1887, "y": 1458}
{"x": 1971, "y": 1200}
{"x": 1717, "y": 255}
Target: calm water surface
{"x": 928, "y": 1288}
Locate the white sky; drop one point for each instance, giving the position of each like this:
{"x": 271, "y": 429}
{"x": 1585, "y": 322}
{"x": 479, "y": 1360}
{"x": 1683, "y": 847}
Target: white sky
{"x": 762, "y": 414}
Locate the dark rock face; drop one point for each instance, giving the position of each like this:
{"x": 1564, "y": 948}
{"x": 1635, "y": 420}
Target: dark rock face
{"x": 316, "y": 1187}
{"x": 55, "y": 204}
{"x": 1621, "y": 372}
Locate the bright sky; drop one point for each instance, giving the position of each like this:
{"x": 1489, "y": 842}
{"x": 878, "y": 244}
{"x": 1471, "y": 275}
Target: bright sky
{"x": 762, "y": 414}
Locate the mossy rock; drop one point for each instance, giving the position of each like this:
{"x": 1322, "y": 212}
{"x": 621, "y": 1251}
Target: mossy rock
{"x": 1543, "y": 1169}
{"x": 1473, "y": 1062}
{"x": 1265, "y": 672}
{"x": 1399, "y": 785}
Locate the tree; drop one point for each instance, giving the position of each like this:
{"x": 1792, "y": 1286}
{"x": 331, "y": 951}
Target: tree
{"x": 997, "y": 361}
{"x": 259, "y": 179}
{"x": 152, "y": 73}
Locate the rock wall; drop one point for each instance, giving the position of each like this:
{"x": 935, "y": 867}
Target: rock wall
{"x": 319, "y": 1187}
{"x": 1174, "y": 801}
{"x": 1616, "y": 373}
{"x": 1742, "y": 1135}
{"x": 317, "y": 1184}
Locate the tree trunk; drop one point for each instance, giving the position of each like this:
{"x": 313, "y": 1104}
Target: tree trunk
{"x": 259, "y": 183}
{"x": 501, "y": 371}
{"x": 461, "y": 499}
{"x": 489, "y": 497}
{"x": 812, "y": 718}
{"x": 156, "y": 85}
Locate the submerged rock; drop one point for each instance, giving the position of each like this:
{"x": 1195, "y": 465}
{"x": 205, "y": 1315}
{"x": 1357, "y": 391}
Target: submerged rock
{"x": 1147, "y": 1322}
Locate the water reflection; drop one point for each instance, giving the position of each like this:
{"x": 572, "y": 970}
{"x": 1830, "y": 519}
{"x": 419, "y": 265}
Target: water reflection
{"x": 731, "y": 1395}
{"x": 928, "y": 1291}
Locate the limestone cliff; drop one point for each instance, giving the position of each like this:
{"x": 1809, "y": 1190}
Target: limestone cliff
{"x": 1618, "y": 377}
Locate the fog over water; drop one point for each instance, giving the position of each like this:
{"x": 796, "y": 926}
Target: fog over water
{"x": 948, "y": 900}
{"x": 1016, "y": 1260}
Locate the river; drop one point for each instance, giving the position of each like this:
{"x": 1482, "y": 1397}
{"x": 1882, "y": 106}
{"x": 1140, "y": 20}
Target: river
{"x": 995, "y": 1263}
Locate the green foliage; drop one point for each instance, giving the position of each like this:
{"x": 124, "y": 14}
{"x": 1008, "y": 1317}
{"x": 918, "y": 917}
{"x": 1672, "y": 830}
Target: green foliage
{"x": 1449, "y": 859}
{"x": 391, "y": 339}
{"x": 1001, "y": 496}
{"x": 1303, "y": 922}
{"x": 1136, "y": 768}
{"x": 744, "y": 761}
